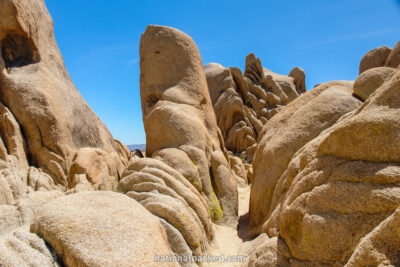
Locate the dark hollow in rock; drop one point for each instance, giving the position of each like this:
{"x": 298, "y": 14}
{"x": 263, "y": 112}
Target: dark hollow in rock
{"x": 18, "y": 51}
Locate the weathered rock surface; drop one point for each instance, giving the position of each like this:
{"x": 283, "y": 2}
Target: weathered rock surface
{"x": 101, "y": 229}
{"x": 382, "y": 56}
{"x": 18, "y": 247}
{"x": 325, "y": 170}
{"x": 298, "y": 123}
{"x": 166, "y": 193}
{"x": 348, "y": 173}
{"x": 21, "y": 248}
{"x": 370, "y": 80}
{"x": 178, "y": 113}
{"x": 393, "y": 60}
{"x": 244, "y": 103}
{"x": 377, "y": 57}
{"x": 37, "y": 90}
{"x": 96, "y": 167}
{"x": 380, "y": 246}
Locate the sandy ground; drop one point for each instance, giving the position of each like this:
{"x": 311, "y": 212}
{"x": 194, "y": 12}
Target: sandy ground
{"x": 229, "y": 240}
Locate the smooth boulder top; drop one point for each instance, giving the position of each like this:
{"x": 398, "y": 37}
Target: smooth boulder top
{"x": 101, "y": 229}
{"x": 370, "y": 80}
{"x": 375, "y": 58}
{"x": 168, "y": 58}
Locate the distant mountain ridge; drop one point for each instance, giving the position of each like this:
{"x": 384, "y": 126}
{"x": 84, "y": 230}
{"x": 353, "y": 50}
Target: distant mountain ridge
{"x": 137, "y": 146}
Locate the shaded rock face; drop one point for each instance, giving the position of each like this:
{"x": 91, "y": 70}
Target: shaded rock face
{"x": 37, "y": 90}
{"x": 335, "y": 198}
{"x": 382, "y": 56}
{"x": 244, "y": 103}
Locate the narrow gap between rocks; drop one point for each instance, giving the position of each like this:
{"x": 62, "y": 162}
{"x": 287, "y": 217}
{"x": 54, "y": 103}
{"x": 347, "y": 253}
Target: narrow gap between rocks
{"x": 229, "y": 241}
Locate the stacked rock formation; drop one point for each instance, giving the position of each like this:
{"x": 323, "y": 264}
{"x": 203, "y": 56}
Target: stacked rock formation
{"x": 186, "y": 180}
{"x": 53, "y": 144}
{"x": 326, "y": 189}
{"x": 46, "y": 121}
{"x": 382, "y": 56}
{"x": 243, "y": 103}
{"x": 325, "y": 172}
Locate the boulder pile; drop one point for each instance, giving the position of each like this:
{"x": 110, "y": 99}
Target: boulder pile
{"x": 323, "y": 164}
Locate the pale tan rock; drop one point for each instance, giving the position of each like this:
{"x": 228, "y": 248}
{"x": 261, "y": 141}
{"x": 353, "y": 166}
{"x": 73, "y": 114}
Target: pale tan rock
{"x": 250, "y": 152}
{"x": 381, "y": 246}
{"x": 177, "y": 109}
{"x": 253, "y": 68}
{"x": 228, "y": 107}
{"x": 240, "y": 81}
{"x": 3, "y": 151}
{"x": 169, "y": 195}
{"x": 239, "y": 169}
{"x": 13, "y": 184}
{"x": 269, "y": 253}
{"x": 318, "y": 225}
{"x": 377, "y": 57}
{"x": 123, "y": 151}
{"x": 40, "y": 181}
{"x": 177, "y": 243}
{"x": 158, "y": 172}
{"x": 376, "y": 127}
{"x": 243, "y": 103}
{"x": 181, "y": 162}
{"x": 299, "y": 79}
{"x": 272, "y": 100}
{"x": 249, "y": 247}
{"x": 19, "y": 215}
{"x": 38, "y": 91}
{"x": 270, "y": 83}
{"x": 29, "y": 206}
{"x": 199, "y": 159}
{"x": 370, "y": 80}
{"x": 178, "y": 214}
{"x": 249, "y": 169}
{"x": 299, "y": 122}
{"x": 98, "y": 167}
{"x": 20, "y": 248}
{"x": 327, "y": 187}
{"x": 225, "y": 187}
{"x": 291, "y": 85}
{"x": 219, "y": 79}
{"x": 12, "y": 136}
{"x": 393, "y": 59}
{"x": 182, "y": 113}
{"x": 9, "y": 218}
{"x": 101, "y": 229}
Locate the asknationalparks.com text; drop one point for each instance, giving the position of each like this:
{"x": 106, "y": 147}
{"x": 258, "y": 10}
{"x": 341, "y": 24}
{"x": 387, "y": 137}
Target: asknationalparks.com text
{"x": 207, "y": 258}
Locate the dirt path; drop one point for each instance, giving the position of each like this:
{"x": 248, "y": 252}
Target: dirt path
{"x": 228, "y": 240}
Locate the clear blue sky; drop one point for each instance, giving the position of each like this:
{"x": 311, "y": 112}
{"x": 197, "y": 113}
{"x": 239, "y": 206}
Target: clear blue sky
{"x": 99, "y": 40}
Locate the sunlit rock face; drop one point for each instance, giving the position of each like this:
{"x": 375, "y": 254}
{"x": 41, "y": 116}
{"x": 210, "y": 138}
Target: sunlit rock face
{"x": 334, "y": 199}
{"x": 382, "y": 56}
{"x": 243, "y": 103}
{"x": 186, "y": 179}
{"x": 35, "y": 86}
{"x": 324, "y": 165}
